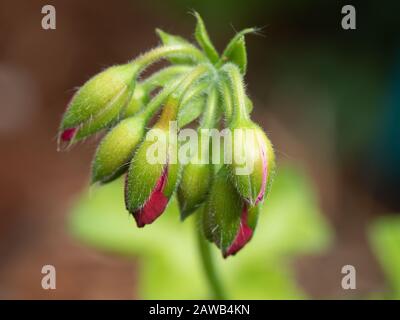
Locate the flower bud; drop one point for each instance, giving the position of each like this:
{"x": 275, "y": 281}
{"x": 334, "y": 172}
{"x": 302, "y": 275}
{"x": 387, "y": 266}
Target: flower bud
{"x": 149, "y": 187}
{"x": 194, "y": 186}
{"x": 137, "y": 101}
{"x": 116, "y": 149}
{"x": 248, "y": 222}
{"x": 253, "y": 162}
{"x": 228, "y": 221}
{"x": 97, "y": 103}
{"x": 154, "y": 171}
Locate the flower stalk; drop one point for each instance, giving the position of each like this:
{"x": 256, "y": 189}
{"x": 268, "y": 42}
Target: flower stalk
{"x": 210, "y": 271}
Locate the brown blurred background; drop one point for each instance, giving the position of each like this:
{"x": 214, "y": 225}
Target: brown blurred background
{"x": 316, "y": 90}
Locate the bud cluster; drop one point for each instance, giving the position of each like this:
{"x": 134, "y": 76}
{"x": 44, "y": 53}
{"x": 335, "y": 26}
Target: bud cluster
{"x": 199, "y": 84}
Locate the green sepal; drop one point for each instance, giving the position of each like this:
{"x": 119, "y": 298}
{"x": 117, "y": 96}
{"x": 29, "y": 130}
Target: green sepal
{"x": 237, "y": 54}
{"x": 236, "y": 49}
{"x": 204, "y": 41}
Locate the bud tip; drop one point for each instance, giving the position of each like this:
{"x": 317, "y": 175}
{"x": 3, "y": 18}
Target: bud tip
{"x": 156, "y": 203}
{"x": 243, "y": 236}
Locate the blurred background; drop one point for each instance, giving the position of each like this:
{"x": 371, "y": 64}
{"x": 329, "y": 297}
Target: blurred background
{"x": 328, "y": 98}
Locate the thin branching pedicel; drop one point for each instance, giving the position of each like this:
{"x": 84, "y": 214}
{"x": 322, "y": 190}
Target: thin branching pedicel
{"x": 200, "y": 84}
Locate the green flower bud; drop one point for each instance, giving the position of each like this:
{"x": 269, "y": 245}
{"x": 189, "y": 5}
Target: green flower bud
{"x": 116, "y": 149}
{"x": 227, "y": 220}
{"x": 97, "y": 103}
{"x": 136, "y": 103}
{"x": 194, "y": 185}
{"x": 253, "y": 162}
{"x": 154, "y": 171}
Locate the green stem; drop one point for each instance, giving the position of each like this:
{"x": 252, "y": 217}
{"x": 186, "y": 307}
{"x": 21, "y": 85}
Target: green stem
{"x": 208, "y": 120}
{"x": 236, "y": 85}
{"x": 164, "y": 76}
{"x": 164, "y": 52}
{"x": 194, "y": 92}
{"x": 227, "y": 101}
{"x": 159, "y": 99}
{"x": 174, "y": 91}
{"x": 210, "y": 271}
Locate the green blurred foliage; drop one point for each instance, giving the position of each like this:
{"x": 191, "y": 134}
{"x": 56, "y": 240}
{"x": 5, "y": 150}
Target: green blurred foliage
{"x": 169, "y": 267}
{"x": 384, "y": 236}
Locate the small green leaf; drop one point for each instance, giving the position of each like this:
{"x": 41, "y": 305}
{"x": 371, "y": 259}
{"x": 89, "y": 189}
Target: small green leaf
{"x": 238, "y": 55}
{"x": 204, "y": 41}
{"x": 170, "y": 39}
{"x": 235, "y": 51}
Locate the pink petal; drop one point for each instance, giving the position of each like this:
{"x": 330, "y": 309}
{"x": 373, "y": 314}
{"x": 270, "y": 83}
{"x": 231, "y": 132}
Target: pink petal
{"x": 244, "y": 235}
{"x": 68, "y": 134}
{"x": 260, "y": 195}
{"x": 156, "y": 203}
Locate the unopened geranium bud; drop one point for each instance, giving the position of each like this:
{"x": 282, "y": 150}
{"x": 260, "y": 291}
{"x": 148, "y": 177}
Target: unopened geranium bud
{"x": 228, "y": 221}
{"x": 97, "y": 103}
{"x": 154, "y": 170}
{"x": 253, "y": 162}
{"x": 194, "y": 187}
{"x": 248, "y": 222}
{"x": 137, "y": 101}
{"x": 116, "y": 149}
